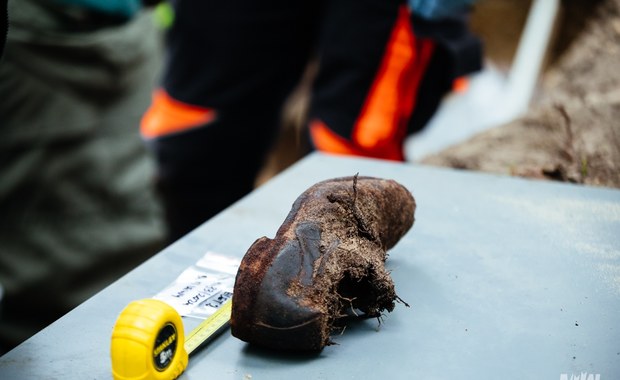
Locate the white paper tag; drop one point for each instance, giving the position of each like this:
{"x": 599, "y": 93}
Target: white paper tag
{"x": 201, "y": 289}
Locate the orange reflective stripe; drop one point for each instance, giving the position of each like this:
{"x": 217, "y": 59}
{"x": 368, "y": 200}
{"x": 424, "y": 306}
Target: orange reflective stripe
{"x": 167, "y": 115}
{"x": 328, "y": 141}
{"x": 382, "y": 123}
{"x": 324, "y": 139}
{"x": 460, "y": 84}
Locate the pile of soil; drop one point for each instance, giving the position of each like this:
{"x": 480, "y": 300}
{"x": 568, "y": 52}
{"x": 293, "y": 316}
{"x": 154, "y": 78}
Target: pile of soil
{"x": 572, "y": 131}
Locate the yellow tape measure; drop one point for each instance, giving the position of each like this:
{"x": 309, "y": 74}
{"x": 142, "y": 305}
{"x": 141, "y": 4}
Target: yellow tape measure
{"x": 147, "y": 336}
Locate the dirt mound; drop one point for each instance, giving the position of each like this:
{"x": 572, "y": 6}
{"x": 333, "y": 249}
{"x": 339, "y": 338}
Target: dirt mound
{"x": 572, "y": 131}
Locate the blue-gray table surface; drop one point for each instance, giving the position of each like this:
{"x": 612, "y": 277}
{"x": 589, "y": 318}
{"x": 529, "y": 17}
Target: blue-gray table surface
{"x": 507, "y": 278}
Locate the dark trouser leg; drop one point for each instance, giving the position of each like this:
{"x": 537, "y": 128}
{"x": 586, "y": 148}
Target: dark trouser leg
{"x": 368, "y": 80}
{"x": 239, "y": 60}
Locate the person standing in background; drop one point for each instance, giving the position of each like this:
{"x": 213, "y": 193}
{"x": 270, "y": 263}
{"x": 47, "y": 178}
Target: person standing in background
{"x": 77, "y": 206}
{"x": 230, "y": 66}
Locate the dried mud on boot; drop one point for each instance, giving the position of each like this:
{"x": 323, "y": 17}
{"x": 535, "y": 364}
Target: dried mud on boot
{"x": 325, "y": 263}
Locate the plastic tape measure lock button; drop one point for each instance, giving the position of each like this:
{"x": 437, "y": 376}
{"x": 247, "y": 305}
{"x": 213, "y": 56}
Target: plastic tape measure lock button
{"x": 148, "y": 342}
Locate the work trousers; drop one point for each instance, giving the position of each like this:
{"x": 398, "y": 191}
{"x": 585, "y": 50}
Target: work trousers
{"x": 77, "y": 204}
{"x": 230, "y": 67}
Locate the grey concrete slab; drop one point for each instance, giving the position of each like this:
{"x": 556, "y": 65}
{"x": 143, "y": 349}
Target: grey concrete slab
{"x": 507, "y": 279}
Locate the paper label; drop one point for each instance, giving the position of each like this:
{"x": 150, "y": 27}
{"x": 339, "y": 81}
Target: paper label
{"x": 202, "y": 288}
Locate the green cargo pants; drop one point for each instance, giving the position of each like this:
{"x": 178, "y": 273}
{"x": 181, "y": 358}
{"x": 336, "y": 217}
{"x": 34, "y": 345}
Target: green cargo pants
{"x": 77, "y": 206}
